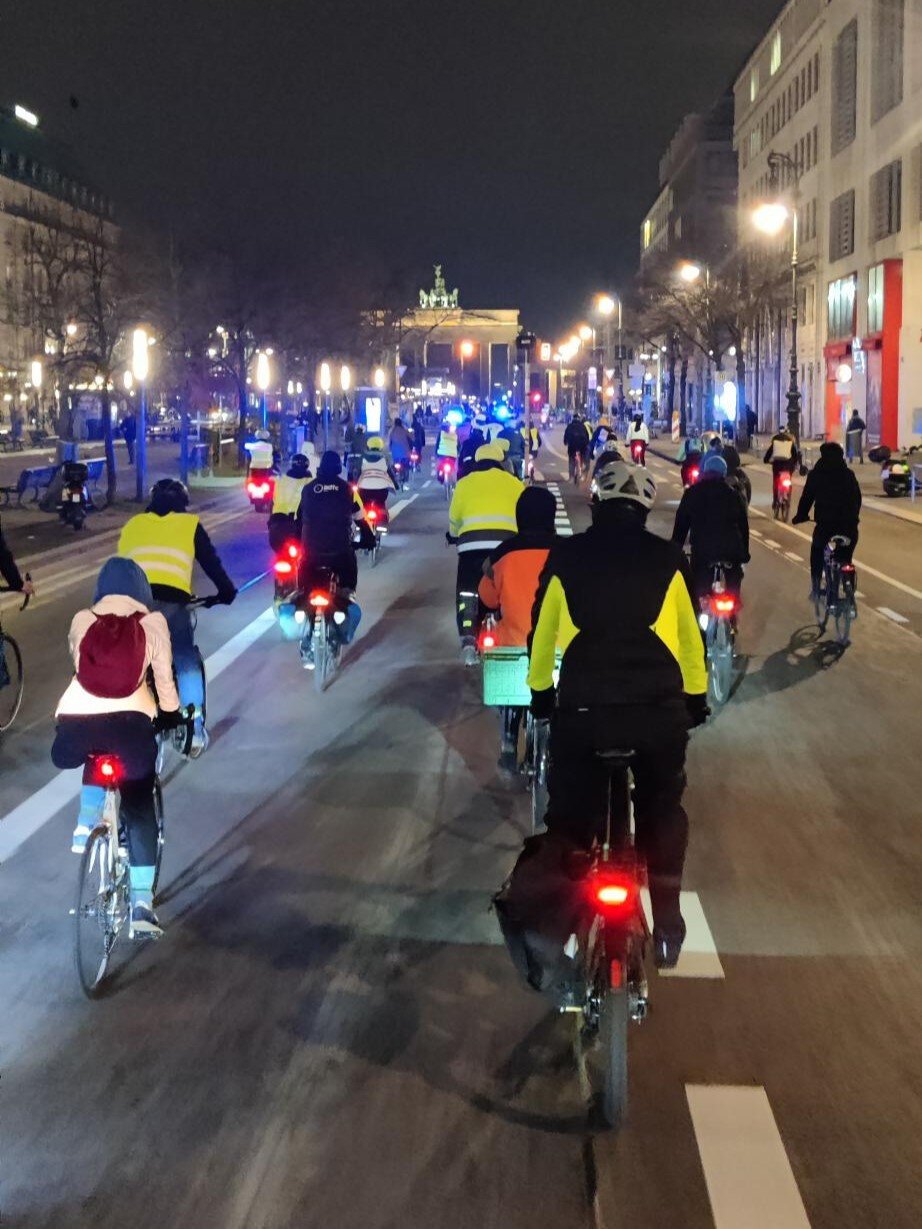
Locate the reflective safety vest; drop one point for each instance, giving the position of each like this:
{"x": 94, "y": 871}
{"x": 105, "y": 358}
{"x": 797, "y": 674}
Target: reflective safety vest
{"x": 532, "y": 443}
{"x": 482, "y": 512}
{"x": 288, "y": 494}
{"x": 164, "y": 546}
{"x": 447, "y": 445}
{"x": 373, "y": 475}
{"x": 260, "y": 454}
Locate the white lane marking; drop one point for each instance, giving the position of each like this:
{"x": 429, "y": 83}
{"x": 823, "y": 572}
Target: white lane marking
{"x": 24, "y": 820}
{"x": 699, "y": 952}
{"x": 400, "y": 505}
{"x": 892, "y": 614}
{"x": 770, "y": 544}
{"x": 428, "y": 482}
{"x": 789, "y": 554}
{"x": 756, "y": 533}
{"x": 749, "y": 1178}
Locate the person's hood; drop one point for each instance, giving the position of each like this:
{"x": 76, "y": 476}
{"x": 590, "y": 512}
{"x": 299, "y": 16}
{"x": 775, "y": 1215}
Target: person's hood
{"x": 489, "y": 452}
{"x": 330, "y": 466}
{"x": 123, "y": 578}
{"x": 535, "y": 510}
{"x": 714, "y": 467}
{"x": 543, "y": 539}
{"x": 832, "y": 456}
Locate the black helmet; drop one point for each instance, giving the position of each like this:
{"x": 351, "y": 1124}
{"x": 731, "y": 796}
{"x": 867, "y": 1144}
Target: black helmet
{"x": 169, "y": 495}
{"x": 300, "y": 465}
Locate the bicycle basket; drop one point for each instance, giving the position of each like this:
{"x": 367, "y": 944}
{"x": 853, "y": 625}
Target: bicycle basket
{"x": 505, "y": 677}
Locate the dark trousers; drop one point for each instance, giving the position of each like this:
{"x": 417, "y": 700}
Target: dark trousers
{"x": 187, "y": 661}
{"x": 578, "y": 786}
{"x": 374, "y": 497}
{"x": 314, "y": 567}
{"x": 467, "y": 604}
{"x": 703, "y": 575}
{"x": 130, "y": 738}
{"x": 822, "y": 532}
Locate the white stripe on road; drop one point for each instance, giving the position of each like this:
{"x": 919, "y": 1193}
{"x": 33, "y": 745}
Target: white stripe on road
{"x": 770, "y": 544}
{"x": 749, "y": 1178}
{"x": 755, "y": 533}
{"x": 428, "y": 482}
{"x": 789, "y": 554}
{"x": 400, "y": 505}
{"x": 24, "y": 820}
{"x": 892, "y": 614}
{"x": 699, "y": 956}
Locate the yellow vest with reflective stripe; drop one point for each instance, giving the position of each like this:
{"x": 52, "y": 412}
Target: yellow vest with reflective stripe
{"x": 288, "y": 493}
{"x": 164, "y": 546}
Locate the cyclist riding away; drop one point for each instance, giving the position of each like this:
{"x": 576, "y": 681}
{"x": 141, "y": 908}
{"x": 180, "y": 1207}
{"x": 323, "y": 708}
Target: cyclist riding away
{"x": 446, "y": 447}
{"x": 576, "y": 442}
{"x": 514, "y": 439}
{"x": 166, "y": 541}
{"x": 481, "y": 517}
{"x": 109, "y": 707}
{"x": 326, "y": 515}
{"x": 400, "y": 445}
{"x": 510, "y": 583}
{"x": 713, "y": 514}
{"x": 616, "y": 601}
{"x": 832, "y": 493}
{"x": 783, "y": 455}
{"x": 376, "y": 481}
{"x": 288, "y": 490}
{"x": 638, "y": 437}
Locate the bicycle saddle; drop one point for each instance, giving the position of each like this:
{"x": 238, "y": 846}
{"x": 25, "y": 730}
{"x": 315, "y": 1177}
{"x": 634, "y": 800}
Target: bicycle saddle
{"x": 839, "y": 539}
{"x": 616, "y": 757}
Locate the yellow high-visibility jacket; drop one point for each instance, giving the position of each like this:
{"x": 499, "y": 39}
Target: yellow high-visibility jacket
{"x": 482, "y": 512}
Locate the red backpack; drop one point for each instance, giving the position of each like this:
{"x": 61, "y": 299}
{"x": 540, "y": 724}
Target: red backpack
{"x": 112, "y": 656}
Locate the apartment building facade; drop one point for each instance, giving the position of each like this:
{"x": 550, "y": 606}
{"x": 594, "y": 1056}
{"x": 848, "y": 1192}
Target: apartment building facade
{"x": 837, "y": 85}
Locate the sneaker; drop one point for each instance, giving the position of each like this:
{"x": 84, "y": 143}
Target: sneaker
{"x": 79, "y": 839}
{"x": 144, "y": 923}
{"x": 469, "y": 652}
{"x": 667, "y": 945}
{"x": 199, "y": 743}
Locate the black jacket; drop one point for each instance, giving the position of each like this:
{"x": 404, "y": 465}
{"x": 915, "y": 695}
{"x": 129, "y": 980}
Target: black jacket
{"x": 8, "y": 569}
{"x": 576, "y": 437}
{"x": 832, "y": 493}
{"x": 325, "y": 516}
{"x": 713, "y": 513}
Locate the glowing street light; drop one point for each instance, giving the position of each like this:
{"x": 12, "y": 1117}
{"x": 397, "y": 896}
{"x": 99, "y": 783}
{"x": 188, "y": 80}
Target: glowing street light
{"x": 263, "y": 380}
{"x": 140, "y": 357}
{"x": 140, "y": 370}
{"x": 585, "y": 332}
{"x": 326, "y": 382}
{"x": 379, "y": 377}
{"x": 465, "y": 349}
{"x": 345, "y": 378}
{"x": 689, "y": 271}
{"x": 771, "y": 217}
{"x": 605, "y": 304}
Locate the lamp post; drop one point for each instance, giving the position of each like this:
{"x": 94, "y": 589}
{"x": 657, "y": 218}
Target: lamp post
{"x": 326, "y": 383}
{"x": 690, "y": 273}
{"x": 466, "y": 350}
{"x": 37, "y": 373}
{"x": 770, "y": 218}
{"x": 140, "y": 368}
{"x": 263, "y": 380}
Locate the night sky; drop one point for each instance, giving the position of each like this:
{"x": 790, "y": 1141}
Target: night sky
{"x": 516, "y": 143}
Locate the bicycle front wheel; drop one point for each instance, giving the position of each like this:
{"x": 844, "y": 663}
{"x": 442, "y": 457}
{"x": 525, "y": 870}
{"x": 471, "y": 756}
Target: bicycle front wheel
{"x": 539, "y": 794}
{"x": 720, "y": 662}
{"x": 613, "y": 1031}
{"x": 101, "y": 910}
{"x": 11, "y": 690}
{"x": 158, "y": 857}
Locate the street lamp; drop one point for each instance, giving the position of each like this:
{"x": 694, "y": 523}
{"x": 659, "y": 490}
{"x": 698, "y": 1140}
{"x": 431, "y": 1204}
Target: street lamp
{"x": 770, "y": 217}
{"x": 140, "y": 369}
{"x": 380, "y": 377}
{"x": 606, "y": 304}
{"x": 263, "y": 380}
{"x": 37, "y": 372}
{"x": 345, "y": 379}
{"x": 690, "y": 272}
{"x": 465, "y": 349}
{"x": 326, "y": 383}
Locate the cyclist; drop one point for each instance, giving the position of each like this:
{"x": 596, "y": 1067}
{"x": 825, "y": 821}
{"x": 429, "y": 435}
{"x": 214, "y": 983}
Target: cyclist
{"x": 326, "y": 515}
{"x": 288, "y": 490}
{"x": 576, "y": 442}
{"x": 467, "y": 454}
{"x": 419, "y": 432}
{"x": 10, "y": 572}
{"x": 514, "y": 439}
{"x": 166, "y": 540}
{"x": 509, "y": 585}
{"x": 713, "y": 514}
{"x": 616, "y": 600}
{"x": 110, "y": 707}
{"x": 481, "y": 517}
{"x": 400, "y": 445}
{"x": 376, "y": 481}
{"x": 446, "y": 447}
{"x": 832, "y": 493}
{"x": 638, "y": 437}
{"x": 783, "y": 455}
{"x": 261, "y": 454}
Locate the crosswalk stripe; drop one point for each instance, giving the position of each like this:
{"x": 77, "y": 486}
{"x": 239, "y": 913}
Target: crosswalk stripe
{"x": 748, "y": 1175}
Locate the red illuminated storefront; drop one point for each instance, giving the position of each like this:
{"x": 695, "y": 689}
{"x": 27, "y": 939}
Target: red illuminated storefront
{"x": 875, "y": 357}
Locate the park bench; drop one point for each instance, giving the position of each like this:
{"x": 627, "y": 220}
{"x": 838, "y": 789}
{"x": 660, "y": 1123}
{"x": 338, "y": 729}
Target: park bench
{"x": 36, "y": 479}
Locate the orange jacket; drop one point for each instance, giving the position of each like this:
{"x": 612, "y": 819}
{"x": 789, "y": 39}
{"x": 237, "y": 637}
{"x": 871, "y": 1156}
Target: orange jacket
{"x": 510, "y": 585}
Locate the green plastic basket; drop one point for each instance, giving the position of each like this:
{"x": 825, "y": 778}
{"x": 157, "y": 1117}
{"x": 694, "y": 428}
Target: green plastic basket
{"x": 505, "y": 677}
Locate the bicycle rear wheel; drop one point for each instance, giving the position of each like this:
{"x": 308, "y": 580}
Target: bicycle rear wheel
{"x": 11, "y": 691}
{"x": 720, "y": 661}
{"x": 539, "y": 795}
{"x": 845, "y": 613}
{"x": 101, "y": 909}
{"x": 613, "y": 1031}
{"x": 158, "y": 858}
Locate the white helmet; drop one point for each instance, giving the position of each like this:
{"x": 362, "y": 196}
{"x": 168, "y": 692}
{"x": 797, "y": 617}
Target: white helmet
{"x": 618, "y": 479}
{"x": 612, "y": 445}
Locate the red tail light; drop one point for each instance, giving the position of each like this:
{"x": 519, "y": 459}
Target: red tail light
{"x": 725, "y": 604}
{"x": 848, "y": 567}
{"x": 259, "y": 489}
{"x": 371, "y": 515}
{"x": 446, "y": 468}
{"x": 613, "y": 891}
{"x": 106, "y": 770}
{"x": 693, "y": 475}
{"x": 786, "y": 482}
{"x": 487, "y": 640}
{"x": 414, "y": 456}
{"x": 283, "y": 567}
{"x": 319, "y": 600}
{"x": 294, "y": 552}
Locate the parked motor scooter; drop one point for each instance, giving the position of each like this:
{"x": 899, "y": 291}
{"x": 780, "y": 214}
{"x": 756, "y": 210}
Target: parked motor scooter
{"x": 75, "y": 496}
{"x": 896, "y": 472}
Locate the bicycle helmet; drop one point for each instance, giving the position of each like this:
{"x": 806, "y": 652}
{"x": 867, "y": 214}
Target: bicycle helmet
{"x": 299, "y": 466}
{"x": 375, "y": 444}
{"x": 169, "y": 495}
{"x": 618, "y": 479}
{"x": 263, "y": 436}
{"x": 611, "y": 445}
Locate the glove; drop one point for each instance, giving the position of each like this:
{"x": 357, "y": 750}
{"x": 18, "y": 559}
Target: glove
{"x": 450, "y": 540}
{"x": 543, "y": 704}
{"x": 698, "y": 711}
{"x": 168, "y": 720}
{"x": 220, "y": 599}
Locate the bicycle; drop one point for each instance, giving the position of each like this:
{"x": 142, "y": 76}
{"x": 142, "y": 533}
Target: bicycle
{"x": 534, "y": 768}
{"x": 718, "y": 622}
{"x": 612, "y": 942}
{"x": 781, "y": 497}
{"x": 577, "y": 468}
{"x": 836, "y": 596}
{"x": 103, "y": 904}
{"x": 321, "y": 634}
{"x": 181, "y": 738}
{"x": 447, "y": 471}
{"x": 11, "y": 671}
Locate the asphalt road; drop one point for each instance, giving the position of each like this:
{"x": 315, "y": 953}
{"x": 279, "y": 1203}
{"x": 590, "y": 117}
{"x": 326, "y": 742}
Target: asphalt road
{"x": 330, "y": 1032}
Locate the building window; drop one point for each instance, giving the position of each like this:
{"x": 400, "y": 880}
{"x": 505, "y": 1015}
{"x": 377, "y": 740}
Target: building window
{"x": 816, "y": 142}
{"x": 647, "y": 233}
{"x": 816, "y": 72}
{"x": 753, "y": 84}
{"x": 755, "y": 142}
{"x": 841, "y": 307}
{"x": 876, "y": 299}
{"x": 803, "y": 86}
{"x": 886, "y": 190}
{"x": 775, "y": 62}
{"x": 886, "y": 57}
{"x": 796, "y": 94}
{"x": 842, "y": 226}
{"x": 844, "y": 81}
